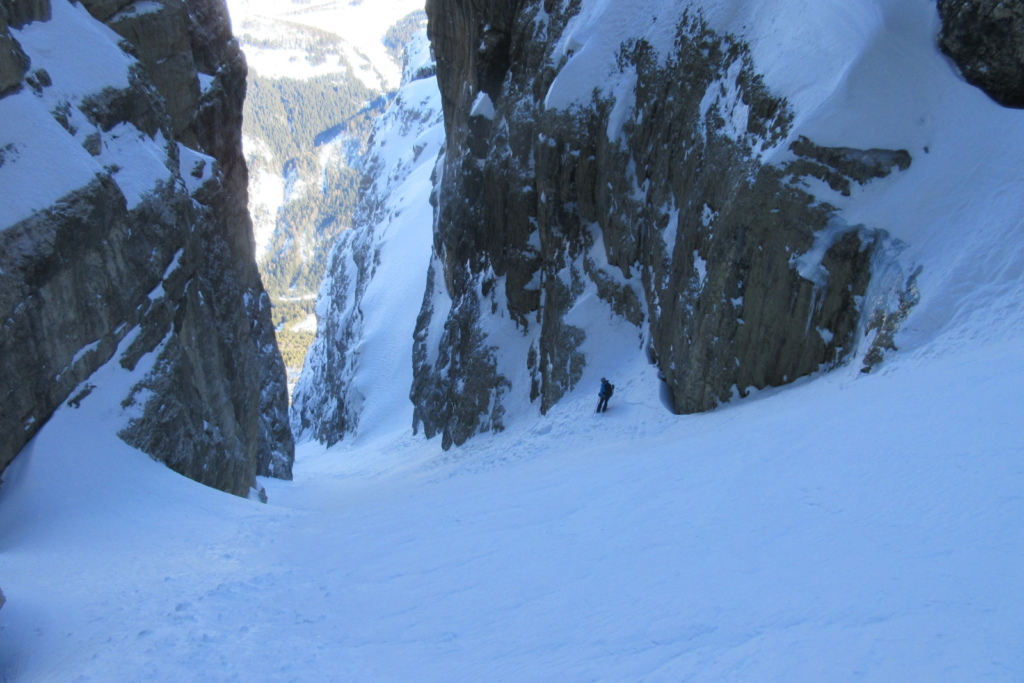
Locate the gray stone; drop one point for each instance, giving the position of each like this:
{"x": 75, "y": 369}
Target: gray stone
{"x": 104, "y": 9}
{"x": 986, "y": 40}
{"x": 160, "y": 40}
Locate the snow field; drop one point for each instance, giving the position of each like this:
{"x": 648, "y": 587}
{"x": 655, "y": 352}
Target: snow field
{"x": 851, "y": 526}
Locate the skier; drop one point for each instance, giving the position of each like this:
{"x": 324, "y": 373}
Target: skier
{"x": 606, "y": 393}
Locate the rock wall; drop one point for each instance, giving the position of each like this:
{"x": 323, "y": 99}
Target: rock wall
{"x": 152, "y": 249}
{"x": 986, "y": 40}
{"x": 655, "y": 192}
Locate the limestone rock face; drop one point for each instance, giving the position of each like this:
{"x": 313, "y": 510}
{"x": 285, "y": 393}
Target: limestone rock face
{"x": 736, "y": 277}
{"x": 13, "y": 61}
{"x": 986, "y": 40}
{"x": 21, "y": 12}
{"x": 162, "y": 44}
{"x": 146, "y": 247}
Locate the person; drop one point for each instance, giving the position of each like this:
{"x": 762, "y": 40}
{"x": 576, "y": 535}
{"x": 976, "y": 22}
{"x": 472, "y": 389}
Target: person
{"x": 606, "y": 393}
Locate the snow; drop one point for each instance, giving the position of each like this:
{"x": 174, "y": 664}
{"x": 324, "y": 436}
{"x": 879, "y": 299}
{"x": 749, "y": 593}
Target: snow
{"x": 308, "y": 324}
{"x": 361, "y": 25}
{"x": 849, "y": 526}
{"x": 406, "y": 143}
{"x": 140, "y": 161}
{"x": 46, "y": 161}
{"x": 31, "y": 178}
{"x": 852, "y": 526}
{"x": 483, "y": 106}
{"x": 195, "y": 168}
{"x": 79, "y": 66}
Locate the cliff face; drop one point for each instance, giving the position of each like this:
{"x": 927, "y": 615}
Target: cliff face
{"x": 986, "y": 40}
{"x": 676, "y": 188}
{"x": 127, "y": 233}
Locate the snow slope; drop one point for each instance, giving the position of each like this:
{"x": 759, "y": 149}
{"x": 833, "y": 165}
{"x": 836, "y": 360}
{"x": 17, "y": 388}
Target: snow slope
{"x": 853, "y": 527}
{"x": 848, "y": 527}
{"x": 375, "y": 276}
{"x": 32, "y": 142}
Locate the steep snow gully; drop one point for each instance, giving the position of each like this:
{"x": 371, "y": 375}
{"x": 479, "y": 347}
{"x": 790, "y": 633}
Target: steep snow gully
{"x": 850, "y": 526}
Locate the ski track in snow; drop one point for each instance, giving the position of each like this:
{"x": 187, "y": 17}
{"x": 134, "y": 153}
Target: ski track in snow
{"x": 851, "y": 526}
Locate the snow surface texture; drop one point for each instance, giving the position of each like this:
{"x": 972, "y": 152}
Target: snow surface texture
{"x": 43, "y": 161}
{"x": 361, "y": 25}
{"x": 847, "y": 527}
{"x": 850, "y": 527}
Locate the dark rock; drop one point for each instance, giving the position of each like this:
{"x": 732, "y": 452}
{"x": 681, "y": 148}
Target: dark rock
{"x": 986, "y": 40}
{"x": 14, "y": 63}
{"x": 21, "y": 12}
{"x": 161, "y": 42}
{"x": 886, "y": 321}
{"x": 837, "y": 166}
{"x": 104, "y": 9}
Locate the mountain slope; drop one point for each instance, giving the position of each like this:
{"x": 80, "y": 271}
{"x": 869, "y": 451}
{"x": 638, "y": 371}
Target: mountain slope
{"x": 124, "y": 232}
{"x": 361, "y": 360}
{"x": 319, "y": 75}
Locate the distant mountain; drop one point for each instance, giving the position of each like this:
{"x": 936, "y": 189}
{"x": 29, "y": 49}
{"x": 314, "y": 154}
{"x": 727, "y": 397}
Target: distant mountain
{"x": 318, "y": 76}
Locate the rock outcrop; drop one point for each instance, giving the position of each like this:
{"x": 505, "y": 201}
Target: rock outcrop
{"x": 656, "y": 192}
{"x": 986, "y": 40}
{"x": 141, "y": 243}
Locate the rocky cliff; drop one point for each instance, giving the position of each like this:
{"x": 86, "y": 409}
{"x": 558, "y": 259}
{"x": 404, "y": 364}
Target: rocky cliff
{"x": 986, "y": 40}
{"x": 125, "y": 234}
{"x": 675, "y": 185}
